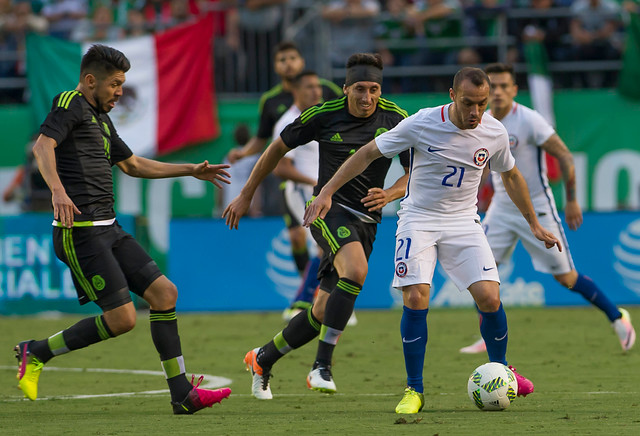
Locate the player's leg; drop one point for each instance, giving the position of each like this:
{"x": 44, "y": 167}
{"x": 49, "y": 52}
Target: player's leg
{"x": 299, "y": 251}
{"x": 306, "y": 292}
{"x": 619, "y": 318}
{"x": 97, "y": 277}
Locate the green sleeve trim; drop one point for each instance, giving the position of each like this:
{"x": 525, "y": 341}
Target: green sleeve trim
{"x": 329, "y": 106}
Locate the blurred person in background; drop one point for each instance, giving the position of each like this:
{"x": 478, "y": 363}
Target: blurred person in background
{"x": 64, "y": 16}
{"x": 99, "y": 27}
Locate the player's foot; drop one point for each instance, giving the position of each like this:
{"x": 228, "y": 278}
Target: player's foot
{"x": 412, "y": 402}
{"x": 352, "y": 320}
{"x": 321, "y": 379}
{"x": 29, "y": 369}
{"x": 624, "y": 330}
{"x": 525, "y": 386}
{"x": 260, "y": 376}
{"x": 477, "y": 347}
{"x": 198, "y": 399}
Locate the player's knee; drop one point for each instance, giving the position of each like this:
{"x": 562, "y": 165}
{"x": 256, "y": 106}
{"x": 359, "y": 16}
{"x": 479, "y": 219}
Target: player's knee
{"x": 415, "y": 300}
{"x": 298, "y": 240}
{"x": 170, "y": 295}
{"x": 489, "y": 302}
{"x": 567, "y": 280}
{"x": 124, "y": 323}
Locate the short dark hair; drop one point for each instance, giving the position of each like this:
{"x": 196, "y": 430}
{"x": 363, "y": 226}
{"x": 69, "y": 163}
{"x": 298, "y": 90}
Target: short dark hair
{"x": 474, "y": 75}
{"x": 284, "y": 46}
{"x": 101, "y": 61}
{"x": 302, "y": 75}
{"x": 373, "y": 59}
{"x": 499, "y": 67}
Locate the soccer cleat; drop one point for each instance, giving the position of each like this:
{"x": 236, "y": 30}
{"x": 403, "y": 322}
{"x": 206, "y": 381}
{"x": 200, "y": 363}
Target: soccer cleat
{"x": 624, "y": 330}
{"x": 352, "y": 320}
{"x": 477, "y": 347}
{"x": 412, "y": 402}
{"x": 260, "y": 385}
{"x": 29, "y": 369}
{"x": 320, "y": 379}
{"x": 198, "y": 399}
{"x": 525, "y": 386}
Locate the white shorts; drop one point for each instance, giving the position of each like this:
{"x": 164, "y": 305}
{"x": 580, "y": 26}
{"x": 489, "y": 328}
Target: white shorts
{"x": 296, "y": 196}
{"x": 464, "y": 254}
{"x": 504, "y": 230}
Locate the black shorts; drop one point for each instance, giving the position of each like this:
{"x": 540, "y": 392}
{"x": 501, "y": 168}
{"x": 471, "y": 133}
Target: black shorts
{"x": 106, "y": 263}
{"x": 338, "y": 228}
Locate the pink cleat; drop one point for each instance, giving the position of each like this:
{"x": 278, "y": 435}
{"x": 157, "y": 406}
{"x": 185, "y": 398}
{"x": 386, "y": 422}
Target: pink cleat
{"x": 477, "y": 347}
{"x": 198, "y": 399}
{"x": 525, "y": 386}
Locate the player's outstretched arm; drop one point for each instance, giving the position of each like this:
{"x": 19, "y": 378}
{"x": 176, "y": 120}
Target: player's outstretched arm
{"x": 267, "y": 162}
{"x": 353, "y": 166}
{"x": 516, "y": 187}
{"x": 558, "y": 149}
{"x": 286, "y": 170}
{"x": 254, "y": 146}
{"x": 377, "y": 198}
{"x": 63, "y": 207}
{"x": 137, "y": 166}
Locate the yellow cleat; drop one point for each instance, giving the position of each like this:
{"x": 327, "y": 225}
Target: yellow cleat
{"x": 29, "y": 369}
{"x": 412, "y": 402}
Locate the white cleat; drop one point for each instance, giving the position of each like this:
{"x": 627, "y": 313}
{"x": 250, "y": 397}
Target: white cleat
{"x": 260, "y": 387}
{"x": 320, "y": 379}
{"x": 477, "y": 347}
{"x": 625, "y": 330}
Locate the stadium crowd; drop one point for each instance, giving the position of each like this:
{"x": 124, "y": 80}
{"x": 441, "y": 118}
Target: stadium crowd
{"x": 408, "y": 33}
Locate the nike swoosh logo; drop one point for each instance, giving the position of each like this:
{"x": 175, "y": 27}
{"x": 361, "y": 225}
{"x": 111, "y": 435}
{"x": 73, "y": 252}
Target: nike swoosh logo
{"x": 412, "y": 340}
{"x": 499, "y": 339}
{"x": 484, "y": 268}
{"x": 432, "y": 150}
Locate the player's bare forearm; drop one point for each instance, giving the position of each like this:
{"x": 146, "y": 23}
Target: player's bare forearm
{"x": 255, "y": 145}
{"x": 265, "y": 165}
{"x": 287, "y": 171}
{"x": 518, "y": 191}
{"x": 558, "y": 149}
{"x": 377, "y": 198}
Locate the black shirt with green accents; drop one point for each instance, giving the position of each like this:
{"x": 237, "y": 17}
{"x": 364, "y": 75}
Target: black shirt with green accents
{"x": 88, "y": 146}
{"x": 340, "y": 135}
{"x": 276, "y": 101}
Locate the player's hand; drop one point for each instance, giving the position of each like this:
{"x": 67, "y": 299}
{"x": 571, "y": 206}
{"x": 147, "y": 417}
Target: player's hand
{"x": 234, "y": 155}
{"x": 546, "y": 236}
{"x": 376, "y": 199}
{"x": 212, "y": 173}
{"x": 318, "y": 208}
{"x": 236, "y": 210}
{"x": 573, "y": 215}
{"x": 63, "y": 208}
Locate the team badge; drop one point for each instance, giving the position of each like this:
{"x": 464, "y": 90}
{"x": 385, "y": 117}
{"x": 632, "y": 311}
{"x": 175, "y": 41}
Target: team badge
{"x": 98, "y": 282}
{"x": 480, "y": 157}
{"x": 401, "y": 269}
{"x": 513, "y": 141}
{"x": 343, "y": 232}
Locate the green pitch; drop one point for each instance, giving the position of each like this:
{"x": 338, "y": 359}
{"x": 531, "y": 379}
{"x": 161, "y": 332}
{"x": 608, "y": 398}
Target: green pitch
{"x": 584, "y": 384}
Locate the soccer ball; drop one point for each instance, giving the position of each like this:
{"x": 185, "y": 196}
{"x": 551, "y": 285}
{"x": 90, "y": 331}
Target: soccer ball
{"x": 492, "y": 386}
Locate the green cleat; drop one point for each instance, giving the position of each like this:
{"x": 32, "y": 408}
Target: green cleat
{"x": 29, "y": 369}
{"x": 412, "y": 402}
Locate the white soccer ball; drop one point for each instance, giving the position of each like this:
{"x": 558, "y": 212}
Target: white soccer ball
{"x": 492, "y": 386}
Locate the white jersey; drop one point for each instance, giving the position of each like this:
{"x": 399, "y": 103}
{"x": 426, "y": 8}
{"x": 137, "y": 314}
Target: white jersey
{"x": 528, "y": 130}
{"x": 446, "y": 166}
{"x": 306, "y": 157}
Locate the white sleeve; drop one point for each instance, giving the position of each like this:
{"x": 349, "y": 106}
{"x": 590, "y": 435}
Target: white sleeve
{"x": 402, "y": 137}
{"x": 502, "y": 160}
{"x": 541, "y": 129}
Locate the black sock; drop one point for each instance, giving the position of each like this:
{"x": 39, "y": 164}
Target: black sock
{"x": 301, "y": 330}
{"x": 301, "y": 258}
{"x": 164, "y": 332}
{"x": 336, "y": 315}
{"x": 82, "y": 334}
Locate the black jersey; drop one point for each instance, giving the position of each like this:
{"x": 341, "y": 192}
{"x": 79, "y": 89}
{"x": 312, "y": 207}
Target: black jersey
{"x": 276, "y": 101}
{"x": 88, "y": 146}
{"x": 340, "y": 135}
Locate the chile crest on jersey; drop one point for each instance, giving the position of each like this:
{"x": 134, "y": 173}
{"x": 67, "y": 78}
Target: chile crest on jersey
{"x": 480, "y": 157}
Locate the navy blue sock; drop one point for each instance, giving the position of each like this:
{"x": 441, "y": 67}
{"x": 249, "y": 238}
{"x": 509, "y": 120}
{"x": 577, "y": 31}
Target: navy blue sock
{"x": 413, "y": 329}
{"x": 590, "y": 291}
{"x": 310, "y": 282}
{"x": 493, "y": 328}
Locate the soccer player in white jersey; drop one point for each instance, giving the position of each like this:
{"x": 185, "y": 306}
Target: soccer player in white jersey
{"x": 299, "y": 169}
{"x": 438, "y": 220}
{"x": 531, "y": 137}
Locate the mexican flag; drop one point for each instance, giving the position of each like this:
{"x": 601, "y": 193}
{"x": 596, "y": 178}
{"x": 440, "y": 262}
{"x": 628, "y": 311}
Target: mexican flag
{"x": 168, "y": 97}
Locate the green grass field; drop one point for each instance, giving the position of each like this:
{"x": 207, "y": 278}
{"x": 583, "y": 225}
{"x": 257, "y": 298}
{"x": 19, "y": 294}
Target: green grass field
{"x": 584, "y": 383}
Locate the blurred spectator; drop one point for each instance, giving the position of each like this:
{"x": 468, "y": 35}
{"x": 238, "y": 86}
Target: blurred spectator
{"x": 240, "y": 171}
{"x": 180, "y": 12}
{"x": 99, "y": 28}
{"x": 594, "y": 35}
{"x": 28, "y": 187}
{"x": 157, "y": 14}
{"x": 136, "y": 24}
{"x": 352, "y": 28}
{"x": 15, "y": 25}
{"x": 119, "y": 9}
{"x": 395, "y": 34}
{"x": 64, "y": 16}
{"x": 481, "y": 19}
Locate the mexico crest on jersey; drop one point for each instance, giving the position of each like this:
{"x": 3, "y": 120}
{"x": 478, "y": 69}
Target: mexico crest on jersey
{"x": 513, "y": 141}
{"x": 480, "y": 157}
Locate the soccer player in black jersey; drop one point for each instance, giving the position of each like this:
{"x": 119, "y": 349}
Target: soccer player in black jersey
{"x": 347, "y": 233}
{"x": 75, "y": 151}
